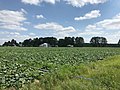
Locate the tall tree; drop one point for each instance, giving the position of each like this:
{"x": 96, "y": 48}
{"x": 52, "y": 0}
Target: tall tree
{"x": 27, "y": 43}
{"x": 61, "y": 43}
{"x": 69, "y": 41}
{"x": 52, "y": 41}
{"x": 5, "y": 44}
{"x": 98, "y": 41}
{"x": 11, "y": 43}
{"x": 79, "y": 41}
{"x": 119, "y": 42}
{"x": 14, "y": 43}
{"x": 35, "y": 42}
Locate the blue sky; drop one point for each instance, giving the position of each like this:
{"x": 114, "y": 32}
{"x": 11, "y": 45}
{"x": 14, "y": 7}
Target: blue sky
{"x": 24, "y": 19}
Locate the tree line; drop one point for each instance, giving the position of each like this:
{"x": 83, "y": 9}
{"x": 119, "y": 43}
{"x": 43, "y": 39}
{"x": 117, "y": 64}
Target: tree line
{"x": 66, "y": 42}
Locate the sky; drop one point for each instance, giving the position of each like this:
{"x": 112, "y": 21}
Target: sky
{"x": 24, "y": 19}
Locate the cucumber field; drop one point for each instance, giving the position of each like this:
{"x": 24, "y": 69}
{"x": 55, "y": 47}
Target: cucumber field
{"x": 67, "y": 68}
{"x": 59, "y": 44}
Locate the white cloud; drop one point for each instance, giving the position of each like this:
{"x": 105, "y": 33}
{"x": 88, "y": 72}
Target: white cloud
{"x": 92, "y": 28}
{"x": 109, "y": 28}
{"x": 58, "y": 29}
{"x": 109, "y": 24}
{"x": 90, "y": 15}
{"x": 32, "y": 34}
{"x": 23, "y": 10}
{"x": 49, "y": 26}
{"x": 12, "y": 20}
{"x": 34, "y": 2}
{"x": 55, "y": 27}
{"x": 40, "y": 17}
{"x": 27, "y": 23}
{"x": 74, "y": 3}
{"x": 37, "y": 2}
{"x": 113, "y": 37}
{"x": 7, "y": 36}
{"x": 9, "y": 33}
{"x": 80, "y": 3}
{"x": 91, "y": 31}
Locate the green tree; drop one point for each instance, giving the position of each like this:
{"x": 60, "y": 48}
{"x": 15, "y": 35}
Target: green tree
{"x": 69, "y": 41}
{"x": 27, "y": 43}
{"x": 98, "y": 41}
{"x": 79, "y": 41}
{"x": 11, "y": 43}
{"x": 61, "y": 43}
{"x": 52, "y": 41}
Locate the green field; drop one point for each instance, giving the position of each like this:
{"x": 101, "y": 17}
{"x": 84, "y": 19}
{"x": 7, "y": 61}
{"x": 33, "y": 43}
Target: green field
{"x": 59, "y": 68}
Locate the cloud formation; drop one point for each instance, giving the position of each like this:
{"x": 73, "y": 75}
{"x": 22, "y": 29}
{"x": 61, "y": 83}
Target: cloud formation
{"x": 40, "y": 17}
{"x": 90, "y": 15}
{"x": 108, "y": 24}
{"x": 37, "y": 2}
{"x": 12, "y": 20}
{"x": 81, "y": 3}
{"x": 109, "y": 28}
{"x": 14, "y": 35}
{"x": 58, "y": 29}
{"x": 74, "y": 3}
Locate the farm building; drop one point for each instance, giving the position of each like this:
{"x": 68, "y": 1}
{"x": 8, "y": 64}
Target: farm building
{"x": 45, "y": 45}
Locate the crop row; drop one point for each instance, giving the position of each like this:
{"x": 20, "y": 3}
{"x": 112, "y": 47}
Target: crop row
{"x": 19, "y": 66}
